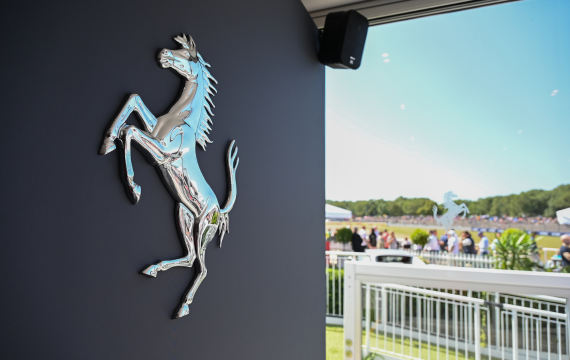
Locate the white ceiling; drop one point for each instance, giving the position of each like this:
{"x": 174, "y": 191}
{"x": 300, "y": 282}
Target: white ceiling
{"x": 386, "y": 11}
{"x": 314, "y": 5}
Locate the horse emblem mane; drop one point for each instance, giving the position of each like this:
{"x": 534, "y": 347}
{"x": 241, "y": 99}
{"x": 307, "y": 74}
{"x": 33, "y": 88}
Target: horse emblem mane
{"x": 169, "y": 143}
{"x": 448, "y": 198}
{"x": 203, "y": 127}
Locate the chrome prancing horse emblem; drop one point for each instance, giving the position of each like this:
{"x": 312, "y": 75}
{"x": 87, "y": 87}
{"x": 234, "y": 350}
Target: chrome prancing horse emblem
{"x": 453, "y": 210}
{"x": 169, "y": 142}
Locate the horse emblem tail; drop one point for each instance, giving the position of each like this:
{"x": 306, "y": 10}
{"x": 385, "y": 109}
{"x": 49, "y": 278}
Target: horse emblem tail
{"x": 224, "y": 213}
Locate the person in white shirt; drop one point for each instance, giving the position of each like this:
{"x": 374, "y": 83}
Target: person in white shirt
{"x": 433, "y": 243}
{"x": 452, "y": 243}
{"x": 494, "y": 244}
{"x": 365, "y": 243}
{"x": 483, "y": 244}
{"x": 407, "y": 244}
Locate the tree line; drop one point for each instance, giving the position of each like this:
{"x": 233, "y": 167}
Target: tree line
{"x": 528, "y": 203}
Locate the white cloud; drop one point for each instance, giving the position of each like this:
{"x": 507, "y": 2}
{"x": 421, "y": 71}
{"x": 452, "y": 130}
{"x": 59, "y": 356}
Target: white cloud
{"x": 385, "y": 55}
{"x": 386, "y": 60}
{"x": 413, "y": 138}
{"x": 403, "y": 106}
{"x": 554, "y": 93}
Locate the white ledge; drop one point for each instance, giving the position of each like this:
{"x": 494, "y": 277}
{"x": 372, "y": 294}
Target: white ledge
{"x": 445, "y": 277}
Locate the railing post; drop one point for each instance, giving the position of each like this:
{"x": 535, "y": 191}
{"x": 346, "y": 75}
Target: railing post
{"x": 515, "y": 333}
{"x": 497, "y": 318}
{"x": 367, "y": 317}
{"x": 470, "y": 318}
{"x": 352, "y": 313}
{"x": 477, "y": 334}
{"x": 334, "y": 275}
{"x": 568, "y": 326}
{"x": 384, "y": 305}
{"x": 327, "y": 287}
{"x": 340, "y": 291}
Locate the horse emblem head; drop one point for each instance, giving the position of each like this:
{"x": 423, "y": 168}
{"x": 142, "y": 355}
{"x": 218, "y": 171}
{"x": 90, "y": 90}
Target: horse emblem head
{"x": 448, "y": 199}
{"x": 183, "y": 61}
{"x": 169, "y": 143}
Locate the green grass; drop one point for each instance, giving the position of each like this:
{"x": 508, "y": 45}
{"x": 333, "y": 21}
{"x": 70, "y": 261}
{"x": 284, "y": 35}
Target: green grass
{"x": 335, "y": 341}
{"x": 395, "y": 345}
{"x": 549, "y": 242}
{"x": 335, "y": 346}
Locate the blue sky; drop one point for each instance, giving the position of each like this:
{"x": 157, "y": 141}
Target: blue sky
{"x": 476, "y": 102}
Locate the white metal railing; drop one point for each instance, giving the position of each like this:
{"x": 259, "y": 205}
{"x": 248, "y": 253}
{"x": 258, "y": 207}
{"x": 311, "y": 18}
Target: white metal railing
{"x": 338, "y": 246}
{"x": 335, "y": 284}
{"x": 412, "y": 323}
{"x": 432, "y": 258}
{"x": 335, "y": 278}
{"x": 548, "y": 303}
{"x": 404, "y": 320}
{"x": 461, "y": 260}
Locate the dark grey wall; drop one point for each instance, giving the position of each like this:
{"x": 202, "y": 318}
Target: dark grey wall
{"x": 72, "y": 244}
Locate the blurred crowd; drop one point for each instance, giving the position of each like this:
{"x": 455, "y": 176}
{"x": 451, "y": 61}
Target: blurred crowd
{"x": 448, "y": 242}
{"x": 427, "y": 220}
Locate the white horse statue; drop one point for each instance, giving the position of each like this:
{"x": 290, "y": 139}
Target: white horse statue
{"x": 169, "y": 143}
{"x": 446, "y": 220}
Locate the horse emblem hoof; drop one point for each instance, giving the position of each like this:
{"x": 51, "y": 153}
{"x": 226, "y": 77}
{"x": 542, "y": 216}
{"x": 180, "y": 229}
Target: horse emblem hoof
{"x": 150, "y": 271}
{"x": 135, "y": 194}
{"x": 107, "y": 147}
{"x": 183, "y": 311}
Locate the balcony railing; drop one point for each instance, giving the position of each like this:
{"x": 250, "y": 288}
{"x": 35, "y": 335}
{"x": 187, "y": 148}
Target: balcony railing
{"x": 409, "y": 312}
{"x": 335, "y": 280}
{"x": 461, "y": 260}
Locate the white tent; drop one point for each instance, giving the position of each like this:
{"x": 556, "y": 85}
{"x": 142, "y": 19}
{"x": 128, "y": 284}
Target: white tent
{"x": 333, "y": 212}
{"x": 563, "y": 216}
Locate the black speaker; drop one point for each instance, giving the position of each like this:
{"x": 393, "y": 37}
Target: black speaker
{"x": 343, "y": 38}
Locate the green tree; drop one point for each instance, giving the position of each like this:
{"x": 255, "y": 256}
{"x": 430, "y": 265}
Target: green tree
{"x": 559, "y": 199}
{"x": 394, "y": 209}
{"x": 419, "y": 237}
{"x": 343, "y": 235}
{"x": 382, "y": 207}
{"x": 529, "y": 203}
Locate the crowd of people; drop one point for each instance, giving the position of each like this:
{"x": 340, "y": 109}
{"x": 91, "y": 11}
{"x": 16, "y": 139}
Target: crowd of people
{"x": 515, "y": 219}
{"x": 448, "y": 242}
{"x": 375, "y": 240}
{"x": 475, "y": 219}
{"x": 455, "y": 244}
